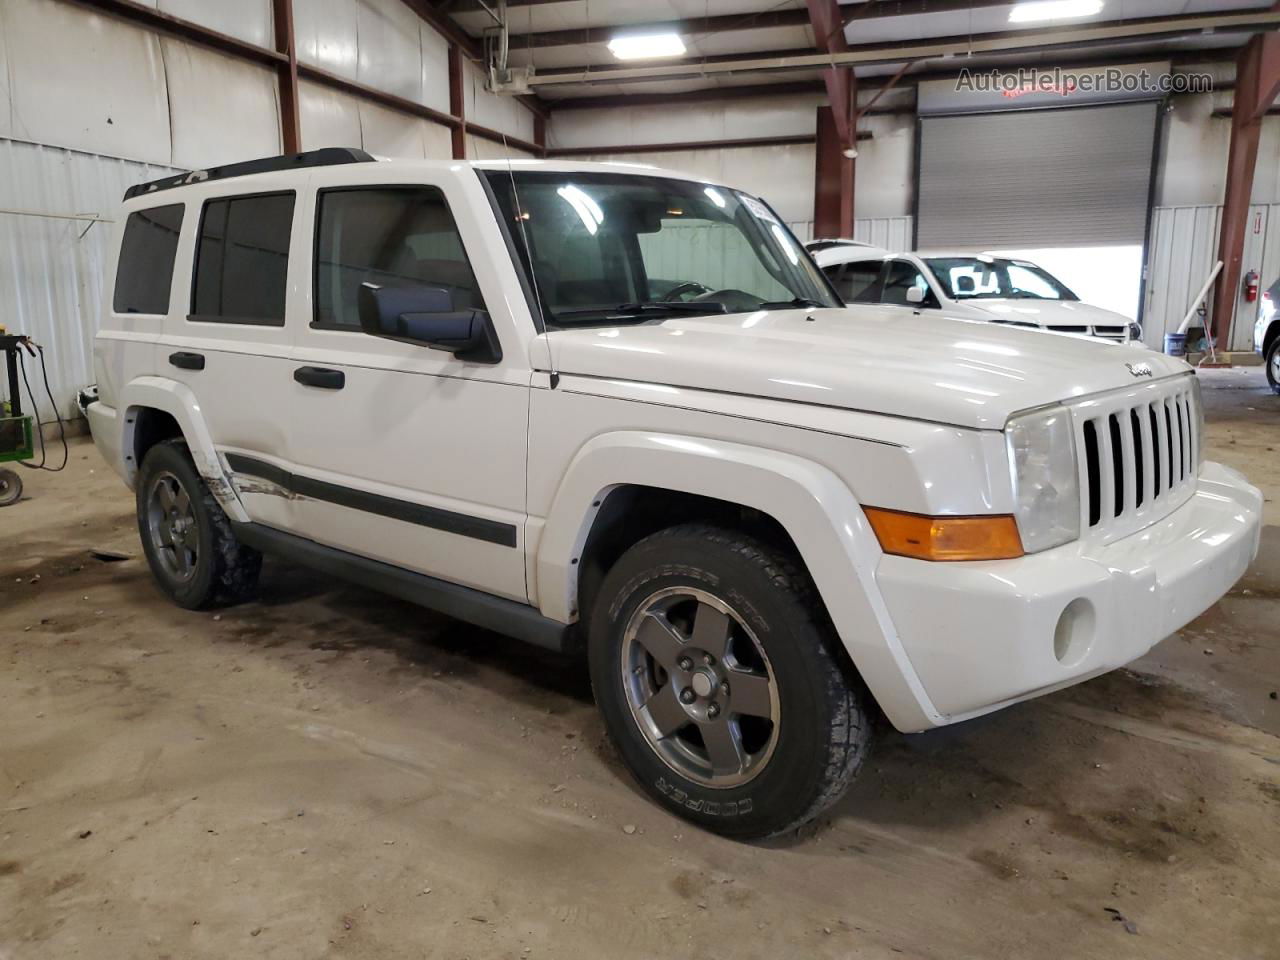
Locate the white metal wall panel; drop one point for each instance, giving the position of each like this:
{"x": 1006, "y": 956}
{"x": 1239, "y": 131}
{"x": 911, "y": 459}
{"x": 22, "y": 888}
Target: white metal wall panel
{"x": 328, "y": 118}
{"x": 730, "y": 120}
{"x": 479, "y": 148}
{"x": 53, "y": 270}
{"x": 389, "y": 48}
{"x": 1183, "y": 249}
{"x": 84, "y": 81}
{"x": 495, "y": 111}
{"x": 6, "y": 128}
{"x": 883, "y": 187}
{"x": 389, "y": 133}
{"x": 435, "y": 69}
{"x": 892, "y": 233}
{"x": 222, "y": 110}
{"x": 248, "y": 20}
{"x": 325, "y": 33}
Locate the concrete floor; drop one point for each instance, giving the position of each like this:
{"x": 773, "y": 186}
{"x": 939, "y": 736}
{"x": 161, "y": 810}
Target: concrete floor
{"x": 327, "y": 772}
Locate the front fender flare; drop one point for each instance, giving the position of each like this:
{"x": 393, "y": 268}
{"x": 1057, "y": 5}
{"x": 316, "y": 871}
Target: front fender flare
{"x": 815, "y": 507}
{"x": 177, "y": 400}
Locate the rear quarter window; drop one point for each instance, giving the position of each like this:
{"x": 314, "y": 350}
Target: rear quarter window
{"x": 144, "y": 272}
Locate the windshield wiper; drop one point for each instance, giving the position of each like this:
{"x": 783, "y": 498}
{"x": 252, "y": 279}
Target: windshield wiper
{"x": 794, "y": 302}
{"x": 646, "y": 306}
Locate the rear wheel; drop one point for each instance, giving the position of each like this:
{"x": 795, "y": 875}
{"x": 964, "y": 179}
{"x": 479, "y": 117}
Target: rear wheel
{"x": 186, "y": 537}
{"x": 717, "y": 675}
{"x": 1273, "y": 365}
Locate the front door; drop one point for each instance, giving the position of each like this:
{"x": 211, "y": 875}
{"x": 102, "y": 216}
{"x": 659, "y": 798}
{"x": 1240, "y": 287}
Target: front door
{"x": 403, "y": 453}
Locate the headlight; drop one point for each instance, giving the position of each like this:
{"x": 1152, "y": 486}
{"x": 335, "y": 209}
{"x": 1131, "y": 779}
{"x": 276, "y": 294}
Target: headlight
{"x": 1135, "y": 331}
{"x": 1046, "y": 481}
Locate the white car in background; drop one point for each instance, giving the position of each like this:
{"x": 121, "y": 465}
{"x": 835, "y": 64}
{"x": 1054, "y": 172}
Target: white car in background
{"x": 967, "y": 286}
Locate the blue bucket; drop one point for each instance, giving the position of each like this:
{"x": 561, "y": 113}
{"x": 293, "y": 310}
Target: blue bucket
{"x": 1175, "y": 344}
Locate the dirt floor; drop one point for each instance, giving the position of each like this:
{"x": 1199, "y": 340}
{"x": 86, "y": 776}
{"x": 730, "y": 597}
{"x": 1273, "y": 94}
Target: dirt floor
{"x": 328, "y": 772}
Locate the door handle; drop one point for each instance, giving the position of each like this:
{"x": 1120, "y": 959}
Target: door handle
{"x": 187, "y": 361}
{"x": 321, "y": 377}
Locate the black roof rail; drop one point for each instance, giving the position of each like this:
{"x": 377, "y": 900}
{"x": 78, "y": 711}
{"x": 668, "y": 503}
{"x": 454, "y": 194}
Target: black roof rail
{"x": 325, "y": 157}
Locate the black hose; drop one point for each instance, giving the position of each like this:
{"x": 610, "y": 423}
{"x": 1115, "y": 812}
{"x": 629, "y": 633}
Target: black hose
{"x": 62, "y": 429}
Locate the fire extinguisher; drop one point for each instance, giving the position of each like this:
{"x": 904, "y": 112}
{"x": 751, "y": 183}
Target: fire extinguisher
{"x": 1251, "y": 286}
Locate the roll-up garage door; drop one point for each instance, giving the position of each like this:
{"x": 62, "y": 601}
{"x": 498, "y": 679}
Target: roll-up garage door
{"x": 1036, "y": 178}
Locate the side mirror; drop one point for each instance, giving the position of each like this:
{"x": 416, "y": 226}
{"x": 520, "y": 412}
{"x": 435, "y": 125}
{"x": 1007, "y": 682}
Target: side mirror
{"x": 425, "y": 316}
{"x": 915, "y": 295}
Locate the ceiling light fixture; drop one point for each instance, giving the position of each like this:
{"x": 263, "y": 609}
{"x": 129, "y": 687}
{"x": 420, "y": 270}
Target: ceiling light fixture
{"x": 1034, "y": 11}
{"x": 645, "y": 46}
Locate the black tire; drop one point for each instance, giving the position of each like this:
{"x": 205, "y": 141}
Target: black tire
{"x": 10, "y": 487}
{"x": 1272, "y": 365}
{"x": 224, "y": 570}
{"x": 822, "y": 728}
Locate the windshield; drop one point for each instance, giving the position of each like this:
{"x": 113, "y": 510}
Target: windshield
{"x": 606, "y": 247}
{"x": 994, "y": 278}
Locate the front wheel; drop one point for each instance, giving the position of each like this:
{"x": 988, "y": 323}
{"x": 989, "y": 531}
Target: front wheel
{"x": 720, "y": 684}
{"x": 1273, "y": 365}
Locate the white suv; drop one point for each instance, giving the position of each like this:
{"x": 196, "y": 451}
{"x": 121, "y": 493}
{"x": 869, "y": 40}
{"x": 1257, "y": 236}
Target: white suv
{"x": 965, "y": 285}
{"x": 619, "y": 411}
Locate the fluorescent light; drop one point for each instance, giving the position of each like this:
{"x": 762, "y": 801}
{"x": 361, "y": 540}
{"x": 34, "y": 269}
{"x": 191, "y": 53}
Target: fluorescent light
{"x": 643, "y": 46}
{"x": 1036, "y": 10}
{"x": 588, "y": 210}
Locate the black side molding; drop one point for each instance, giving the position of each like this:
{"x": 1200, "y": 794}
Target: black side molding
{"x": 464, "y": 525}
{"x": 498, "y": 614}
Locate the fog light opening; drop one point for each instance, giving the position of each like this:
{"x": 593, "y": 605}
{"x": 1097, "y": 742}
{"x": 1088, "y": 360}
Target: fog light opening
{"x": 1073, "y": 637}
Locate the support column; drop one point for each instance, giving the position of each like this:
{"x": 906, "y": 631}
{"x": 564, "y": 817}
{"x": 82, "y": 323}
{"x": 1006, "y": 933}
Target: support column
{"x": 834, "y": 167}
{"x": 833, "y": 181}
{"x": 287, "y": 76}
{"x": 1257, "y": 83}
{"x": 458, "y": 102}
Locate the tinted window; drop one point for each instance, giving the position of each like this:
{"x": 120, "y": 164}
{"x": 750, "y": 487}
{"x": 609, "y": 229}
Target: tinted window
{"x": 901, "y": 277}
{"x": 399, "y": 236}
{"x": 243, "y": 259}
{"x": 145, "y": 270}
{"x": 855, "y": 282}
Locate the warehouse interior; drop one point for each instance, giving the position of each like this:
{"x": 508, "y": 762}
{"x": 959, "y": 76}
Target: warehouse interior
{"x": 328, "y": 772}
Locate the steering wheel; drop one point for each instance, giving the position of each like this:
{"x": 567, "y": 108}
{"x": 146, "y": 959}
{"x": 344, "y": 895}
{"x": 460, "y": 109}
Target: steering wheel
{"x": 680, "y": 289}
{"x": 735, "y": 301}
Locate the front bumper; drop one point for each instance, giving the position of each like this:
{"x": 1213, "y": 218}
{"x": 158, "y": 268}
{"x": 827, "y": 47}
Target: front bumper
{"x": 983, "y": 635}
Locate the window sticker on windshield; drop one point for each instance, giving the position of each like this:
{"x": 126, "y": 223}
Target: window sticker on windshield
{"x": 758, "y": 209}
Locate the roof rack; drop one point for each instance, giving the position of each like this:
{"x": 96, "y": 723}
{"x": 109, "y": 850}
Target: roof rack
{"x": 326, "y": 157}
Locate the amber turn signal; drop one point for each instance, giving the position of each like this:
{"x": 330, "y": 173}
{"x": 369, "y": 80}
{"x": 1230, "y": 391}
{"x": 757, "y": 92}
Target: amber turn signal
{"x": 945, "y": 538}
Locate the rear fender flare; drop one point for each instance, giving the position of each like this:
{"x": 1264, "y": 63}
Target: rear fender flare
{"x": 179, "y": 402}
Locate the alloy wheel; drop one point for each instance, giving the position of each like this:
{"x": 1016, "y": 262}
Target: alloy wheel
{"x": 700, "y": 687}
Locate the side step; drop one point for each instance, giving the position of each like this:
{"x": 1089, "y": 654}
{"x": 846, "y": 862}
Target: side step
{"x": 504, "y": 616}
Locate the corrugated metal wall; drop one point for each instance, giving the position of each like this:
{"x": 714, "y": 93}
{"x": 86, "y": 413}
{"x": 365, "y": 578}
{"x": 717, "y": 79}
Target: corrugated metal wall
{"x": 52, "y": 269}
{"x": 1182, "y": 251}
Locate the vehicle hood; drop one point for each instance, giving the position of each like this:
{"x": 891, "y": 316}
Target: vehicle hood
{"x": 1049, "y": 313}
{"x": 871, "y": 358}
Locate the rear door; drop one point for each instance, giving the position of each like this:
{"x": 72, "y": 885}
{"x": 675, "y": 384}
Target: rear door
{"x": 407, "y": 454}
{"x": 228, "y": 342}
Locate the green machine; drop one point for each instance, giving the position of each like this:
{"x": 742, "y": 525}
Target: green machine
{"x": 16, "y": 432}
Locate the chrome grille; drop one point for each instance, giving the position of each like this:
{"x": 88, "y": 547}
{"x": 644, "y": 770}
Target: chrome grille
{"x": 1138, "y": 454}
{"x": 1117, "y": 334}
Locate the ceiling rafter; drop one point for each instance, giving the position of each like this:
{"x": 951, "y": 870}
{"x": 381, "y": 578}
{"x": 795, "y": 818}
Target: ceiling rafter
{"x": 731, "y": 22}
{"x": 1093, "y": 35}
